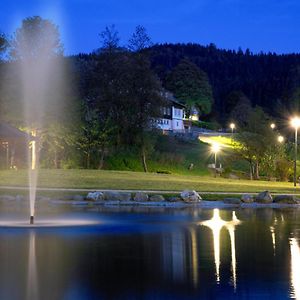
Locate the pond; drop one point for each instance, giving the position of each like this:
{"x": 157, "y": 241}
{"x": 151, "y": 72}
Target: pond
{"x": 152, "y": 253}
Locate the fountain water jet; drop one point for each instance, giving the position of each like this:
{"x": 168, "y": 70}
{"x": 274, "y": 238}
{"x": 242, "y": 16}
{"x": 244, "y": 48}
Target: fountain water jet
{"x": 32, "y": 177}
{"x": 39, "y": 66}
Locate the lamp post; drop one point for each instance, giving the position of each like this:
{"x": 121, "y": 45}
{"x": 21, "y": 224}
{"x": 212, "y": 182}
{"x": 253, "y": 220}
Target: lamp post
{"x": 232, "y": 126}
{"x": 273, "y": 125}
{"x": 215, "y": 148}
{"x": 280, "y": 139}
{"x": 295, "y": 122}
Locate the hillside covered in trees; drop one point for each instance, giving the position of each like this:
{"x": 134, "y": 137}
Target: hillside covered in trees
{"x": 269, "y": 80}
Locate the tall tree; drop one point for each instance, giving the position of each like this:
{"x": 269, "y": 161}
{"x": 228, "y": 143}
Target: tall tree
{"x": 140, "y": 40}
{"x": 191, "y": 85}
{"x": 256, "y": 141}
{"x": 145, "y": 93}
{"x": 241, "y": 112}
{"x": 110, "y": 38}
{"x": 36, "y": 38}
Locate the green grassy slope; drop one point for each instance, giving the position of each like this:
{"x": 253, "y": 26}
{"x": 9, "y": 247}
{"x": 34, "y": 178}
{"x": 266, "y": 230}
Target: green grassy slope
{"x": 170, "y": 156}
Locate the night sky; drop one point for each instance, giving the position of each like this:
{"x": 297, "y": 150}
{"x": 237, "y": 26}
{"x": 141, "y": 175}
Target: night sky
{"x": 261, "y": 25}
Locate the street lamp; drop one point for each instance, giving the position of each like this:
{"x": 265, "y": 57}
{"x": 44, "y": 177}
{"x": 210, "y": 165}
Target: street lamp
{"x": 295, "y": 122}
{"x": 280, "y": 139}
{"x": 215, "y": 148}
{"x": 273, "y": 125}
{"x": 232, "y": 126}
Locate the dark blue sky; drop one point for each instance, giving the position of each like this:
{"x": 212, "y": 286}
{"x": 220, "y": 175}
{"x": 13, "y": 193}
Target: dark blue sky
{"x": 267, "y": 25}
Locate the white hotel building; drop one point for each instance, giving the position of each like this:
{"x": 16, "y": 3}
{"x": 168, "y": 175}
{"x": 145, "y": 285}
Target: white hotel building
{"x": 172, "y": 116}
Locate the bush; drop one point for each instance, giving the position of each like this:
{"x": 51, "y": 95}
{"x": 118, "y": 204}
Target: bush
{"x": 283, "y": 169}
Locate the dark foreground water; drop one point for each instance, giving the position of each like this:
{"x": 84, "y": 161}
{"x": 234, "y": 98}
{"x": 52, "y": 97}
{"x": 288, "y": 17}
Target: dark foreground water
{"x": 143, "y": 253}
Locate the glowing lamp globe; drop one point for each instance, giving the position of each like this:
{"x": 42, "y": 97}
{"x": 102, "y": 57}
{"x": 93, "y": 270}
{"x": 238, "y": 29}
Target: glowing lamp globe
{"x": 280, "y": 139}
{"x": 215, "y": 148}
{"x": 295, "y": 122}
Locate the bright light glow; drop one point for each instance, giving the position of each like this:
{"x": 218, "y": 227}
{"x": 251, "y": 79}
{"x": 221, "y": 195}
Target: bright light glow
{"x": 273, "y": 125}
{"x": 215, "y": 148}
{"x": 295, "y": 270}
{"x": 216, "y": 224}
{"x": 272, "y": 230}
{"x": 231, "y": 229}
{"x": 280, "y": 139}
{"x": 232, "y": 125}
{"x": 295, "y": 122}
{"x": 195, "y": 118}
{"x": 33, "y": 155}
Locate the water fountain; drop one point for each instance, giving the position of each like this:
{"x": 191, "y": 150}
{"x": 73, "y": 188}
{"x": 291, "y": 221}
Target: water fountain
{"x": 37, "y": 54}
{"x": 41, "y": 93}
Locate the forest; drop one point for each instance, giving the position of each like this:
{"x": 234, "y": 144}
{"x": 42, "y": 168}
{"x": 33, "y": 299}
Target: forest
{"x": 269, "y": 80}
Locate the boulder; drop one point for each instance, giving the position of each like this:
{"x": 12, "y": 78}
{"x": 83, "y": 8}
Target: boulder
{"x": 141, "y": 197}
{"x": 288, "y": 199}
{"x": 113, "y": 196}
{"x": 247, "y": 198}
{"x": 190, "y": 196}
{"x": 264, "y": 197}
{"x": 157, "y": 198}
{"x": 232, "y": 201}
{"x": 173, "y": 199}
{"x": 94, "y": 196}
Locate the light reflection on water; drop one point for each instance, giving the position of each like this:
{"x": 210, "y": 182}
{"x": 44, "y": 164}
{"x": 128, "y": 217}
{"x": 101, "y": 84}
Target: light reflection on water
{"x": 216, "y": 224}
{"x": 295, "y": 269}
{"x": 155, "y": 254}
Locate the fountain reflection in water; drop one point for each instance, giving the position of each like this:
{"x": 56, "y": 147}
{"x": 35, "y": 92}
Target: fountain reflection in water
{"x": 32, "y": 276}
{"x": 194, "y": 256}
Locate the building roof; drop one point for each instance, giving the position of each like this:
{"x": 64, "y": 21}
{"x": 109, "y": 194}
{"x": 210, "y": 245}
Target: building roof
{"x": 8, "y": 132}
{"x": 170, "y": 97}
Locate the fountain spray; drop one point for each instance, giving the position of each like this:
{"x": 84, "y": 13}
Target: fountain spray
{"x": 39, "y": 65}
{"x": 32, "y": 174}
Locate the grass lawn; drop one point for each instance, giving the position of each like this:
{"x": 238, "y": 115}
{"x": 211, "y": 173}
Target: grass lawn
{"x": 96, "y": 179}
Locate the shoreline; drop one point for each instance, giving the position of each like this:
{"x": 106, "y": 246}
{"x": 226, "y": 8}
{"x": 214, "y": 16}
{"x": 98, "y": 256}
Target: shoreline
{"x": 203, "y": 204}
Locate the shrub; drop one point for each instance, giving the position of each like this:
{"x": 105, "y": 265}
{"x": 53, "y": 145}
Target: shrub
{"x": 283, "y": 169}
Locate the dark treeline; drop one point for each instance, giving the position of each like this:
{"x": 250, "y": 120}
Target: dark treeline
{"x": 269, "y": 80}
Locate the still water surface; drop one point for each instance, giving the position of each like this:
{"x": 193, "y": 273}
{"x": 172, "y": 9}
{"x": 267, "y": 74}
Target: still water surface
{"x": 153, "y": 253}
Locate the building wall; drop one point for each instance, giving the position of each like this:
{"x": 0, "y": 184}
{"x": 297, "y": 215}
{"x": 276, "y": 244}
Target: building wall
{"x": 164, "y": 124}
{"x": 177, "y": 125}
{"x": 172, "y": 120}
{"x": 177, "y": 119}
